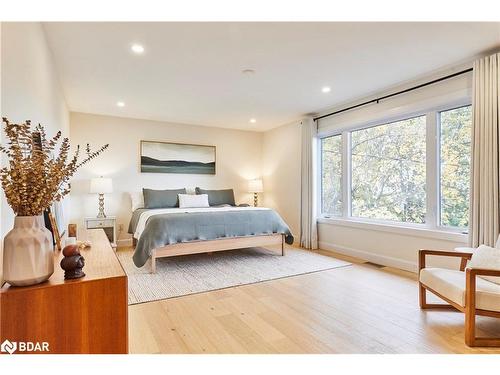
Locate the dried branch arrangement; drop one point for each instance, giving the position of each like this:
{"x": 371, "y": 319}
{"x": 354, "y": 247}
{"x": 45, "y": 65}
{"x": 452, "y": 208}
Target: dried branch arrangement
{"x": 35, "y": 177}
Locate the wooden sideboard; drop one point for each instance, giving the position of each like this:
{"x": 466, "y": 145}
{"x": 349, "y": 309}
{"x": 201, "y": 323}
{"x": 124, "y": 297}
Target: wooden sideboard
{"x": 87, "y": 315}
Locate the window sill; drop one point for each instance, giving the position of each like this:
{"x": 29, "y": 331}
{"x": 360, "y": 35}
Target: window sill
{"x": 401, "y": 229}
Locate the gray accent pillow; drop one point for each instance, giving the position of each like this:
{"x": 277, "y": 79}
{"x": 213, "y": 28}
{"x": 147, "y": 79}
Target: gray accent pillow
{"x": 161, "y": 198}
{"x": 218, "y": 197}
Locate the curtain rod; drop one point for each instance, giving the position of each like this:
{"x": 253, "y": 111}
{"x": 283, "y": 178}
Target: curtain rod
{"x": 394, "y": 94}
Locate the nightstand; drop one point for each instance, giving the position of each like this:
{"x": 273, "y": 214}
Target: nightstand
{"x": 108, "y": 224}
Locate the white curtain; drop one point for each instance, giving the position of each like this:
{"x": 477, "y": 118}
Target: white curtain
{"x": 484, "y": 213}
{"x": 308, "y": 228}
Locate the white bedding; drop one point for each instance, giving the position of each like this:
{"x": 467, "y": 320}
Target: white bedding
{"x": 143, "y": 219}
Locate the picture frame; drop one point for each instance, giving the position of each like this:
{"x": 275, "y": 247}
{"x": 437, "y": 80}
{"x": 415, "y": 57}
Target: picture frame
{"x": 174, "y": 157}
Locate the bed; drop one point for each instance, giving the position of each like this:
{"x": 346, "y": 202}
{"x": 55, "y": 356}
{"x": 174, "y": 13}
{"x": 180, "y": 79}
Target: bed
{"x": 166, "y": 232}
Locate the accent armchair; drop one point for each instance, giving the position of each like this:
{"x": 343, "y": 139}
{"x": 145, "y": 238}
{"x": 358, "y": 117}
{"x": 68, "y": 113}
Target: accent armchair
{"x": 463, "y": 291}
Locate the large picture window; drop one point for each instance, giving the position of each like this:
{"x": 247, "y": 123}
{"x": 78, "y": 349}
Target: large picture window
{"x": 415, "y": 171}
{"x": 388, "y": 171}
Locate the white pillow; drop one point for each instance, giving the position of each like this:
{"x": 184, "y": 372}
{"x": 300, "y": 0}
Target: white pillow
{"x": 192, "y": 201}
{"x": 137, "y": 199}
{"x": 487, "y": 258}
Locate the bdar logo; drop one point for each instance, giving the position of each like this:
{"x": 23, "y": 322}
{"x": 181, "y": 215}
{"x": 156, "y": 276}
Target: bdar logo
{"x": 24, "y": 346}
{"x": 8, "y": 347}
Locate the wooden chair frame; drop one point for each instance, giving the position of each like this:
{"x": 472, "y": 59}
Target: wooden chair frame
{"x": 469, "y": 310}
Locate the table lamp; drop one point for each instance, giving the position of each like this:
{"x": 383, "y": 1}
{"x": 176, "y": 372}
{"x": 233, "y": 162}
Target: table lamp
{"x": 255, "y": 187}
{"x": 101, "y": 186}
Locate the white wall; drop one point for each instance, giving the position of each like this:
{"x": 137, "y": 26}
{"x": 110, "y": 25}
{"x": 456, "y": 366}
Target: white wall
{"x": 239, "y": 159}
{"x": 281, "y": 173}
{"x": 385, "y": 246}
{"x": 30, "y": 88}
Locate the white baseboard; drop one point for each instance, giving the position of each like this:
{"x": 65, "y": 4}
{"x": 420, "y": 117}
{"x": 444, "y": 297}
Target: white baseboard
{"x": 370, "y": 257}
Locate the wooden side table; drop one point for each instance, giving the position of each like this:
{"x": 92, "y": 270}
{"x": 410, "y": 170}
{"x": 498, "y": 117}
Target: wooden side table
{"x": 108, "y": 224}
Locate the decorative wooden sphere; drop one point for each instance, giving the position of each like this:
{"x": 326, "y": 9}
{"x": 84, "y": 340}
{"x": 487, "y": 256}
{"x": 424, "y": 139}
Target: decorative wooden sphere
{"x": 70, "y": 250}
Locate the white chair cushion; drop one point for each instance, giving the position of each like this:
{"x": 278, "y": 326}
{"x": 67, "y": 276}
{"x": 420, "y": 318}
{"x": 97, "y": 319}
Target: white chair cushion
{"x": 451, "y": 284}
{"x": 487, "y": 258}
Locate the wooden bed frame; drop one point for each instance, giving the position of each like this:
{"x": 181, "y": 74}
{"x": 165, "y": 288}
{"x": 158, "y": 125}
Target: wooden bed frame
{"x": 222, "y": 244}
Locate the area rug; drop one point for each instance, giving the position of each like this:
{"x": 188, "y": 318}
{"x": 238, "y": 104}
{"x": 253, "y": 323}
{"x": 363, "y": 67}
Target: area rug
{"x": 189, "y": 274}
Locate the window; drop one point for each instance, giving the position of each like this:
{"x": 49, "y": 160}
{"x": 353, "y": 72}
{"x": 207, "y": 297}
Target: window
{"x": 455, "y": 159}
{"x": 331, "y": 175}
{"x": 414, "y": 171}
{"x": 388, "y": 171}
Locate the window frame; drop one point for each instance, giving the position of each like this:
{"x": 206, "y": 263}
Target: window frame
{"x": 433, "y": 171}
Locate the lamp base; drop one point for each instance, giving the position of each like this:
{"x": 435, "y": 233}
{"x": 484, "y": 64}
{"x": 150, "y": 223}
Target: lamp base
{"x": 101, "y": 214}
{"x": 255, "y": 199}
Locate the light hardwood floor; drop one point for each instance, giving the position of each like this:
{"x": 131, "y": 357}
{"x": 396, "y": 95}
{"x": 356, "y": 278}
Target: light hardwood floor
{"x": 358, "y": 309}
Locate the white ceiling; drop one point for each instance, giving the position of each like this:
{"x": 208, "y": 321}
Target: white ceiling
{"x": 191, "y": 72}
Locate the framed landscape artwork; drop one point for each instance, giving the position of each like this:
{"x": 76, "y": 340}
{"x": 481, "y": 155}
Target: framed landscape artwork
{"x": 166, "y": 157}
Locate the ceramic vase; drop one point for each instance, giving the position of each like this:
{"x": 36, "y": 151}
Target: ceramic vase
{"x": 28, "y": 252}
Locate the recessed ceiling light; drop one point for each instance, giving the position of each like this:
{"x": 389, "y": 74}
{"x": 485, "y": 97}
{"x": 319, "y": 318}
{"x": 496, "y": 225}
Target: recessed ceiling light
{"x": 253, "y": 121}
{"x": 137, "y": 48}
{"x": 120, "y": 104}
{"x": 326, "y": 89}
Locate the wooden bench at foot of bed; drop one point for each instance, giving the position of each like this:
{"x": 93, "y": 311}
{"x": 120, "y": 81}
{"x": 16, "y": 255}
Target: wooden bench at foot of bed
{"x": 222, "y": 244}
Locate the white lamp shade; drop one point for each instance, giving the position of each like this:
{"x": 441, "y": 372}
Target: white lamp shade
{"x": 255, "y": 186}
{"x": 101, "y": 185}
